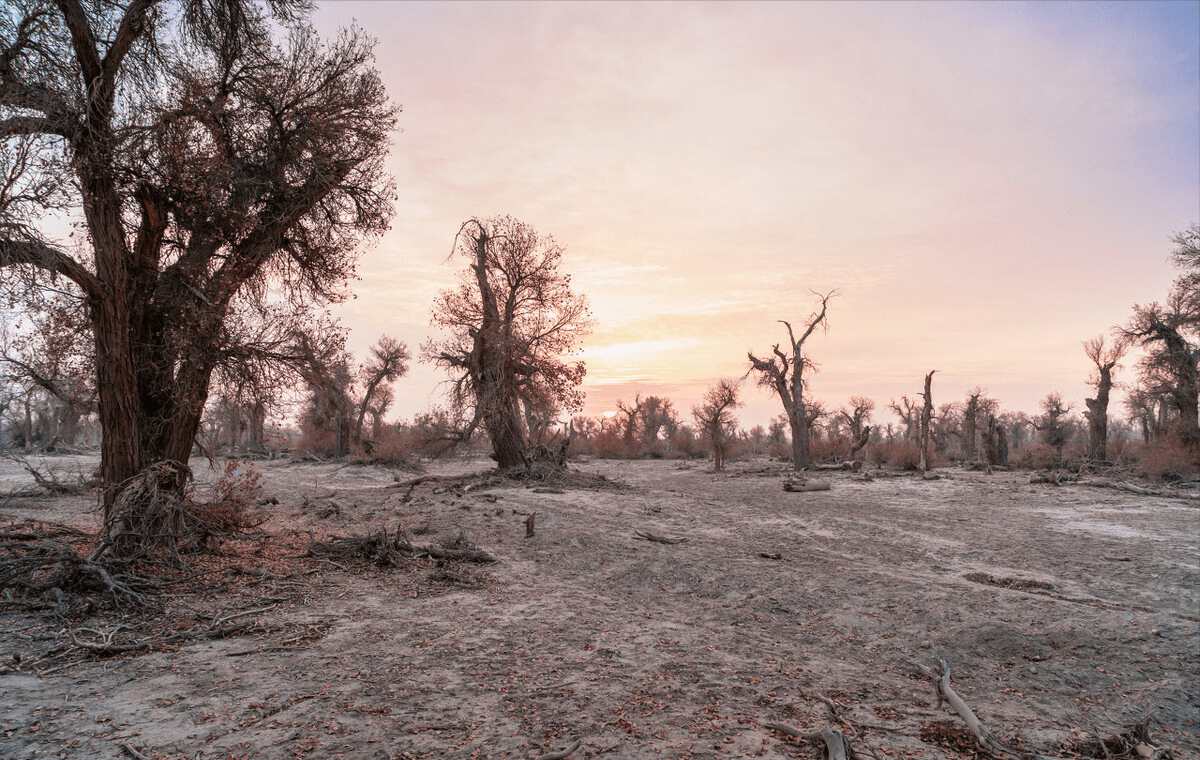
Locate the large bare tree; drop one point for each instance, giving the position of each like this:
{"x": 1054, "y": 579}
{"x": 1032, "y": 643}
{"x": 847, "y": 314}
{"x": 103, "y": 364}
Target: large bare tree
{"x": 512, "y": 322}
{"x": 783, "y": 373}
{"x": 209, "y": 163}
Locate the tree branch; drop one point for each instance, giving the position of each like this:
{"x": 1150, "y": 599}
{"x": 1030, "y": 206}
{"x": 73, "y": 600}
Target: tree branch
{"x": 48, "y": 258}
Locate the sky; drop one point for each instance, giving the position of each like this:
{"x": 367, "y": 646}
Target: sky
{"x": 985, "y": 185}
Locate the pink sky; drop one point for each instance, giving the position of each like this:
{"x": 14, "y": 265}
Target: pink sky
{"x": 986, "y": 185}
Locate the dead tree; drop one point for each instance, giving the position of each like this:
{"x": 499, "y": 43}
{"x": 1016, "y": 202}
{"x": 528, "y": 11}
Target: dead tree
{"x": 715, "y": 418}
{"x": 389, "y": 361}
{"x": 863, "y": 439}
{"x": 631, "y": 419}
{"x": 783, "y": 373}
{"x": 1172, "y": 364}
{"x": 1054, "y": 426}
{"x": 857, "y": 414}
{"x": 658, "y": 416}
{"x": 1105, "y": 358}
{"x": 926, "y": 420}
{"x": 512, "y": 319}
{"x": 910, "y": 414}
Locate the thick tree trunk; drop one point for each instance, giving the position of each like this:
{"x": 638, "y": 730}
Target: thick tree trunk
{"x": 1097, "y": 416}
{"x": 801, "y": 452}
{"x": 926, "y": 421}
{"x": 508, "y": 441}
{"x": 121, "y": 442}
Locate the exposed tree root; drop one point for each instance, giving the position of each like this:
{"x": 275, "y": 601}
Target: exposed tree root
{"x": 1132, "y": 743}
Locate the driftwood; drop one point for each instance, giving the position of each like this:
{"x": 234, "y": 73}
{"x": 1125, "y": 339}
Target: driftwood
{"x": 946, "y": 694}
{"x": 806, "y": 485}
{"x": 561, "y": 754}
{"x": 836, "y": 746}
{"x": 854, "y": 465}
{"x": 658, "y": 539}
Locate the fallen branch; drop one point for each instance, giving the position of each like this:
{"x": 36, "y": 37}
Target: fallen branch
{"x": 658, "y": 539}
{"x": 851, "y": 465}
{"x": 947, "y": 694}
{"x": 836, "y": 746}
{"x": 806, "y": 485}
{"x": 1054, "y": 477}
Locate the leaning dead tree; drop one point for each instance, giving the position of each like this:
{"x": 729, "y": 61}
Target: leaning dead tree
{"x": 783, "y": 373}
{"x": 511, "y": 321}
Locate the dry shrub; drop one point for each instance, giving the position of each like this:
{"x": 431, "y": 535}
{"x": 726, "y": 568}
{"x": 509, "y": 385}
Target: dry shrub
{"x": 906, "y": 455}
{"x": 1165, "y": 460}
{"x": 392, "y": 448}
{"x": 609, "y": 444}
{"x": 316, "y": 444}
{"x": 1035, "y": 456}
{"x": 239, "y": 486}
{"x": 828, "y": 451}
{"x": 685, "y": 445}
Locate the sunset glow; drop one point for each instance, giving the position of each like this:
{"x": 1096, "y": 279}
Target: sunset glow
{"x": 985, "y": 185}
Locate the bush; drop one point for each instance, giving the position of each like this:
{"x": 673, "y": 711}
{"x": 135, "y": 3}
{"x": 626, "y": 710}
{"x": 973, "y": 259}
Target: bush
{"x": 1164, "y": 460}
{"x": 906, "y": 455}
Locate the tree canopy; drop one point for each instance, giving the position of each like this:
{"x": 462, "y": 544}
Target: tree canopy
{"x": 209, "y": 165}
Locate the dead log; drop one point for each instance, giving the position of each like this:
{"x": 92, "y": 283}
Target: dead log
{"x": 529, "y": 524}
{"x": 946, "y": 694}
{"x": 658, "y": 539}
{"x": 836, "y": 747}
{"x": 806, "y": 485}
{"x": 838, "y": 466}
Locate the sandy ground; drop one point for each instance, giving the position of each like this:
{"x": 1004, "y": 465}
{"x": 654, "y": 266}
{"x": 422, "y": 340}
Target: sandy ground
{"x": 1058, "y": 609}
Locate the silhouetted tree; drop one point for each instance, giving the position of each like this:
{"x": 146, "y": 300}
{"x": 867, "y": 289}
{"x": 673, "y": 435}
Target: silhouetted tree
{"x": 511, "y": 320}
{"x": 783, "y": 373}
{"x": 207, "y": 162}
